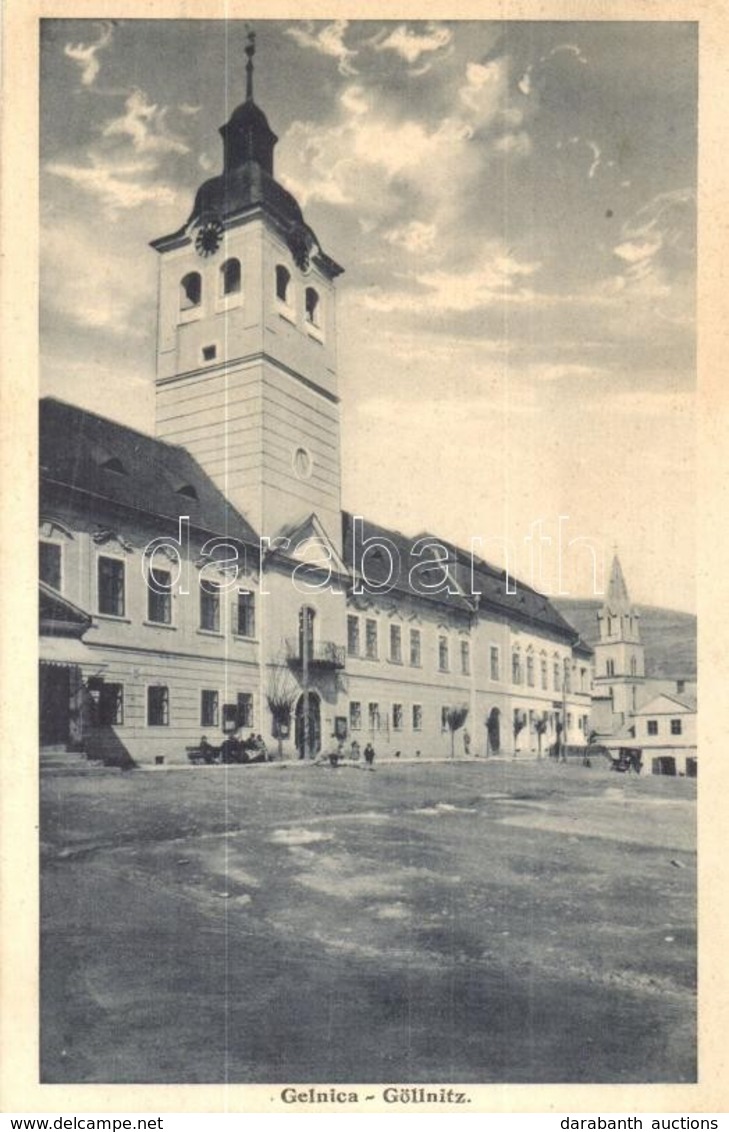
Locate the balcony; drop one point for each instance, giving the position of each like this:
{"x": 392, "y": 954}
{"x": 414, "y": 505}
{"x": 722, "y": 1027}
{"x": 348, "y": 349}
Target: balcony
{"x": 322, "y": 655}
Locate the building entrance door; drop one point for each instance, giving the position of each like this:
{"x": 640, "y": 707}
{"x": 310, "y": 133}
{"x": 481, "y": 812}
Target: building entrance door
{"x": 493, "y": 731}
{"x": 308, "y": 740}
{"x": 55, "y": 703}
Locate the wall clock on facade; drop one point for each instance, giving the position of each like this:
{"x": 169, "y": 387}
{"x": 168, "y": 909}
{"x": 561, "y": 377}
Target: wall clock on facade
{"x": 208, "y": 238}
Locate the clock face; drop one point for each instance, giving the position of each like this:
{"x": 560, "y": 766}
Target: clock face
{"x": 208, "y": 238}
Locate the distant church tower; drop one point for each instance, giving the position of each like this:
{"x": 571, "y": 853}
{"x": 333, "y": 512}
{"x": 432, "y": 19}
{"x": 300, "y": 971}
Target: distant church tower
{"x": 246, "y": 364}
{"x": 619, "y": 654}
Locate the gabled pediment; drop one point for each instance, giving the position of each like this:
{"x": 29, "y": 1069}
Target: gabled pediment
{"x": 308, "y": 543}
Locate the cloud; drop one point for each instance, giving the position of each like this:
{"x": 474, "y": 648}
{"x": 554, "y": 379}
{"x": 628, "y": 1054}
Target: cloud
{"x": 596, "y": 154}
{"x": 519, "y": 143}
{"x": 144, "y": 124}
{"x": 658, "y": 243}
{"x": 90, "y": 284}
{"x": 329, "y": 40}
{"x": 497, "y": 279}
{"x": 187, "y": 109}
{"x": 118, "y": 185}
{"x": 123, "y": 169}
{"x": 411, "y": 45}
{"x": 416, "y": 236}
{"x": 85, "y": 55}
{"x": 525, "y": 83}
{"x": 366, "y": 156}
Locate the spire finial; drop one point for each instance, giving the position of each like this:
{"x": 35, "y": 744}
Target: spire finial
{"x": 250, "y": 52}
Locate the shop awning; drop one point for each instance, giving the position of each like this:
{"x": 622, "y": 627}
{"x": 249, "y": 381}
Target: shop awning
{"x": 68, "y": 650}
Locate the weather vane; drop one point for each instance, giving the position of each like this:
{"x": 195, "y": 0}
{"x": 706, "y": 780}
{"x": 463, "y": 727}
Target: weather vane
{"x": 250, "y": 52}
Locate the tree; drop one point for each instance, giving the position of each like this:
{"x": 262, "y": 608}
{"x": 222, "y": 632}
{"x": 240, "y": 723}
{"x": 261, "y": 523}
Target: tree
{"x": 520, "y": 721}
{"x": 540, "y": 726}
{"x": 281, "y": 697}
{"x": 455, "y": 717}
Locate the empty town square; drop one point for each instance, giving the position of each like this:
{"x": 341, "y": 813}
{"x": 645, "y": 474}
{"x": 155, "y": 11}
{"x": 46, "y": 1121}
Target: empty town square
{"x": 484, "y": 920}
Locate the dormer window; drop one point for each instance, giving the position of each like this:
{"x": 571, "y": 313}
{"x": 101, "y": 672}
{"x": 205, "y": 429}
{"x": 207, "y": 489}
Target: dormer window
{"x": 114, "y": 464}
{"x": 188, "y": 490}
{"x": 230, "y": 277}
{"x": 283, "y": 284}
{"x": 312, "y": 307}
{"x": 190, "y": 290}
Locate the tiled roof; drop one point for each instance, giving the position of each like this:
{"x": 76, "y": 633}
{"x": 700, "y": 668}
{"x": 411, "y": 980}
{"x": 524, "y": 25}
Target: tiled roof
{"x": 482, "y": 581}
{"x": 87, "y": 453}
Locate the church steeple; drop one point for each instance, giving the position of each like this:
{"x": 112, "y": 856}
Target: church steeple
{"x": 618, "y": 619}
{"x": 247, "y": 135}
{"x": 617, "y": 596}
{"x": 619, "y": 655}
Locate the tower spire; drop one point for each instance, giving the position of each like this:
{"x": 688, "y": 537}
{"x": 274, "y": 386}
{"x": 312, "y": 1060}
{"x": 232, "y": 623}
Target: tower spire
{"x": 250, "y": 50}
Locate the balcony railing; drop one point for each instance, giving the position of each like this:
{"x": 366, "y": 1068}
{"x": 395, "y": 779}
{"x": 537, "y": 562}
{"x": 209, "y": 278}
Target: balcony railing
{"x": 322, "y": 654}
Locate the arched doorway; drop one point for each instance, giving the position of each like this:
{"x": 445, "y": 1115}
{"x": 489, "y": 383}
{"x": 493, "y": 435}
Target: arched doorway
{"x": 493, "y": 732}
{"x": 308, "y": 743}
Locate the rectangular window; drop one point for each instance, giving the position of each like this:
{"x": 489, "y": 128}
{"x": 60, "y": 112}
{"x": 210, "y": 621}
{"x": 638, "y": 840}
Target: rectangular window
{"x": 417, "y": 717}
{"x": 49, "y": 564}
{"x": 353, "y": 635}
{"x": 111, "y": 705}
{"x": 545, "y": 675}
{"x": 210, "y": 606}
{"x": 567, "y": 676}
{"x": 111, "y": 586}
{"x": 652, "y": 726}
{"x": 397, "y": 717}
{"x": 244, "y": 704}
{"x": 355, "y": 715}
{"x": 443, "y": 654}
{"x": 415, "y": 648}
{"x": 246, "y": 614}
{"x": 209, "y": 708}
{"x": 676, "y": 727}
{"x": 515, "y": 668}
{"x": 371, "y": 630}
{"x": 396, "y": 644}
{"x": 158, "y": 706}
{"x": 530, "y": 671}
{"x": 557, "y": 681}
{"x": 159, "y": 596}
{"x": 465, "y": 658}
{"x": 495, "y": 665}
{"x": 444, "y": 718}
{"x": 374, "y": 717}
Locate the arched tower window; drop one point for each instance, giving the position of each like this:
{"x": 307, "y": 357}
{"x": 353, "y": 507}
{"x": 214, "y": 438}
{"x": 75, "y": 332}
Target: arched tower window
{"x": 230, "y": 277}
{"x": 283, "y": 283}
{"x": 633, "y": 666}
{"x": 190, "y": 290}
{"x": 312, "y": 306}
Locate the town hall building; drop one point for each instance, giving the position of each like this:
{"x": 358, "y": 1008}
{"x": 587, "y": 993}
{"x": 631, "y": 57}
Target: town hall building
{"x": 207, "y": 578}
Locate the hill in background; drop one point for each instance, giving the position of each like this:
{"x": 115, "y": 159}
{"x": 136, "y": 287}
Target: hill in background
{"x": 669, "y": 635}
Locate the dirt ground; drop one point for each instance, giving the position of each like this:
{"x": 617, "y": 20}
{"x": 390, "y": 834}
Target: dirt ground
{"x": 466, "y": 922}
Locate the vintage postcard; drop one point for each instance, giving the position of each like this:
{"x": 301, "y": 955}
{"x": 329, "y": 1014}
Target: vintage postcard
{"x": 371, "y": 533}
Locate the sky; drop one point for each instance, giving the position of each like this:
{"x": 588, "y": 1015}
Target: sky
{"x": 514, "y": 206}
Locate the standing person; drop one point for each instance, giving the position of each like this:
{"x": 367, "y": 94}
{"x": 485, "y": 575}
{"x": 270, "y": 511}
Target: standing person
{"x": 354, "y": 751}
{"x": 369, "y": 754}
{"x": 466, "y": 743}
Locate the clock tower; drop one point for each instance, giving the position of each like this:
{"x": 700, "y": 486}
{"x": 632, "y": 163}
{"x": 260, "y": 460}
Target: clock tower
{"x": 246, "y": 351}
